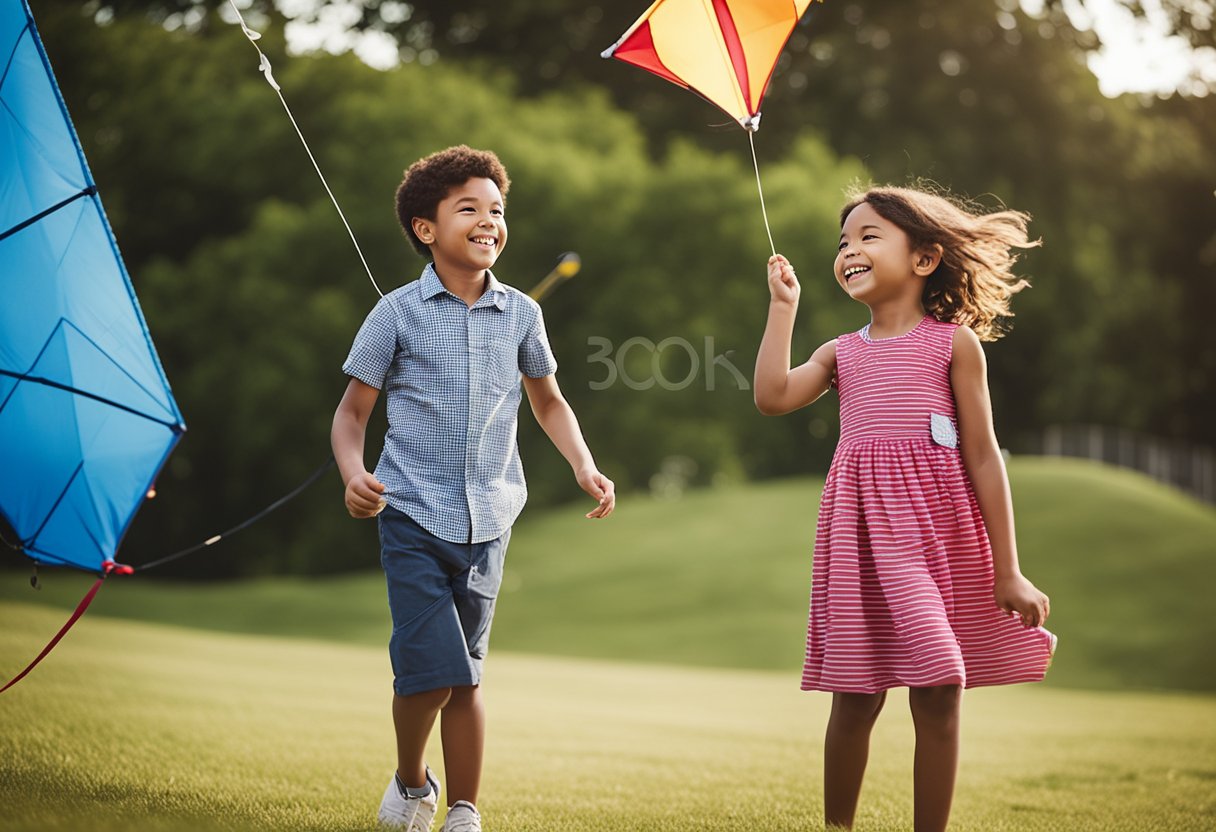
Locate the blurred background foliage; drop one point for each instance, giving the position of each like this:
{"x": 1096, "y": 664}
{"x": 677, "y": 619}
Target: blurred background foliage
{"x": 253, "y": 292}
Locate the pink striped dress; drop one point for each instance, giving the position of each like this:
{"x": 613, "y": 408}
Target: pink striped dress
{"x": 901, "y": 589}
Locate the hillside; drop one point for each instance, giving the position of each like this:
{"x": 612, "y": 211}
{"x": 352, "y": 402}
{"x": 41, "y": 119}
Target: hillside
{"x": 720, "y": 578}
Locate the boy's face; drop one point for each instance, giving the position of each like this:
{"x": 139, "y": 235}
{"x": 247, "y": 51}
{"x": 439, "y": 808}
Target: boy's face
{"x": 469, "y": 230}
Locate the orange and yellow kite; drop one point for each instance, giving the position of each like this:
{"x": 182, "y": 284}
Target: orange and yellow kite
{"x": 724, "y": 50}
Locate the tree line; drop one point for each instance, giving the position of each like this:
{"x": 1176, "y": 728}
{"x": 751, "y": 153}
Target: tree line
{"x": 252, "y": 290}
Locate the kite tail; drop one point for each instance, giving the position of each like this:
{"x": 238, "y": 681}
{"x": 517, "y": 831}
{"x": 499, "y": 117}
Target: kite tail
{"x": 110, "y": 566}
{"x": 764, "y": 211}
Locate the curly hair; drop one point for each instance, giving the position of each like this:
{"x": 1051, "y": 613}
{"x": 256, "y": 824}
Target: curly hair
{"x": 974, "y": 281}
{"x": 429, "y": 180}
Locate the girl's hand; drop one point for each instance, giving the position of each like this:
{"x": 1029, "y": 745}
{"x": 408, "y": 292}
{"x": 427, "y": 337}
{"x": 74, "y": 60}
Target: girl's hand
{"x": 782, "y": 282}
{"x": 363, "y": 496}
{"x": 599, "y": 487}
{"x": 1016, "y": 594}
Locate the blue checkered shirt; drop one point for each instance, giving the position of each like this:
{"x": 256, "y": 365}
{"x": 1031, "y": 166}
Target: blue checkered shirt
{"x": 451, "y": 378}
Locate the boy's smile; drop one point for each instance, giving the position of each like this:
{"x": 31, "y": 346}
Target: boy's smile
{"x": 469, "y": 230}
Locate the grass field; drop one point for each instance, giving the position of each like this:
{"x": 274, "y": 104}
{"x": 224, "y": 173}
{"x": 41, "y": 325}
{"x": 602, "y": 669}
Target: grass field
{"x": 720, "y": 578}
{"x": 643, "y": 677}
{"x": 137, "y": 727}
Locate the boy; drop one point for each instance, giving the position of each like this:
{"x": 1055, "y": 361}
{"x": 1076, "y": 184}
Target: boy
{"x": 449, "y": 349}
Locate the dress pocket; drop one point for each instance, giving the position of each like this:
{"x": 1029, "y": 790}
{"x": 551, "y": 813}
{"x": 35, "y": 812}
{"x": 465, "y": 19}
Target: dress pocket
{"x": 943, "y": 430}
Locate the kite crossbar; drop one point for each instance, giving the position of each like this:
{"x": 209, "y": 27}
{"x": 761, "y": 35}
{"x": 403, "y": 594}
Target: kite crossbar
{"x": 89, "y": 191}
{"x": 173, "y": 426}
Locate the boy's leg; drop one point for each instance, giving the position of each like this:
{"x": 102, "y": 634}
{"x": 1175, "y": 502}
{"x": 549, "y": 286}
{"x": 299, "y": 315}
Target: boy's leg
{"x": 846, "y": 749}
{"x": 935, "y": 712}
{"x": 463, "y": 729}
{"x": 463, "y": 724}
{"x": 427, "y": 647}
{"x": 413, "y": 718}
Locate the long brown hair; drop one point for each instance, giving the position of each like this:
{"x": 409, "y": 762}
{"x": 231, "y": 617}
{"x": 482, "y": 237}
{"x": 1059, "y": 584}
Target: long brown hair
{"x": 974, "y": 281}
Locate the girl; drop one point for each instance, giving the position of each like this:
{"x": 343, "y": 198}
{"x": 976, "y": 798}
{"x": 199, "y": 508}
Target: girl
{"x": 915, "y": 580}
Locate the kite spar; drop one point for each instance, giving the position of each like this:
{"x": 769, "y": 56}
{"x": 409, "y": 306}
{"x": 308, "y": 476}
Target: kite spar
{"x": 723, "y": 50}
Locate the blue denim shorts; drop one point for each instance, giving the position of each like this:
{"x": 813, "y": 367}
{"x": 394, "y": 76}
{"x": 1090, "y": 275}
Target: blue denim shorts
{"x": 442, "y": 597}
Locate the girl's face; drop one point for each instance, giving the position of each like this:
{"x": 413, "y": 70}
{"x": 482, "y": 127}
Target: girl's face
{"x": 875, "y": 262}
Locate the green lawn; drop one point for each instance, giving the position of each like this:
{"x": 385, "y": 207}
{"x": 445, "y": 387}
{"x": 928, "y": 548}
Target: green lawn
{"x": 132, "y": 727}
{"x": 720, "y": 579}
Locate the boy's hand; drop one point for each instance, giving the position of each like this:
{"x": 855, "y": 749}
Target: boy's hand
{"x": 1016, "y": 594}
{"x": 782, "y": 282}
{"x": 599, "y": 487}
{"x": 363, "y": 496}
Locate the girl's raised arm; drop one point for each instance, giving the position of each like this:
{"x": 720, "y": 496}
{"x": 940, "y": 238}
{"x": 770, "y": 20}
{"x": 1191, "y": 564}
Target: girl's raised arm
{"x": 777, "y": 388}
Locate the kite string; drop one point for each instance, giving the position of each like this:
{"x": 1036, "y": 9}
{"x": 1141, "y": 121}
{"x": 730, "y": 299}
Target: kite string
{"x": 211, "y": 541}
{"x": 266, "y": 70}
{"x": 751, "y": 137}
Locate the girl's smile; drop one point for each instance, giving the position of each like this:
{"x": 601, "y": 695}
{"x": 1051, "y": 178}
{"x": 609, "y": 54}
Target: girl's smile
{"x": 875, "y": 262}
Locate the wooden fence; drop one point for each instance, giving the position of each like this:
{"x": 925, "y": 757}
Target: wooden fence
{"x": 1187, "y": 467}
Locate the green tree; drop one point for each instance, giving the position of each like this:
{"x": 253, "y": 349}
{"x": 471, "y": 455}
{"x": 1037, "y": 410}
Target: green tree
{"x": 253, "y": 292}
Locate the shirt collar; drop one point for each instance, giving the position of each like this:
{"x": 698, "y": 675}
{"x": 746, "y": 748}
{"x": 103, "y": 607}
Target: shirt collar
{"x": 495, "y": 293}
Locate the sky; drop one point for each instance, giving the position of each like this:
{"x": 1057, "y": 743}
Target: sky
{"x": 1141, "y": 56}
{"x": 1138, "y": 56}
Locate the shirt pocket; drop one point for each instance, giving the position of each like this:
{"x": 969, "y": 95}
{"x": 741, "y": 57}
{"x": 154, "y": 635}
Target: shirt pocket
{"x": 499, "y": 354}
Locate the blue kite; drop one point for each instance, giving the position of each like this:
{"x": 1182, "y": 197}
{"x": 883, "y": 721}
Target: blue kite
{"x": 87, "y": 419}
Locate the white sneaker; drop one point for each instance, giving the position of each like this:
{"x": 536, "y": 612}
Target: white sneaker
{"x": 462, "y": 817}
{"x": 410, "y": 814}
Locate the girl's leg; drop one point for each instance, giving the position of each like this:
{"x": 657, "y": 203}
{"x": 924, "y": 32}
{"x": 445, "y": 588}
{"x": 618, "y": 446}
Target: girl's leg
{"x": 413, "y": 718}
{"x": 463, "y": 728}
{"x": 935, "y": 712}
{"x": 846, "y": 748}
